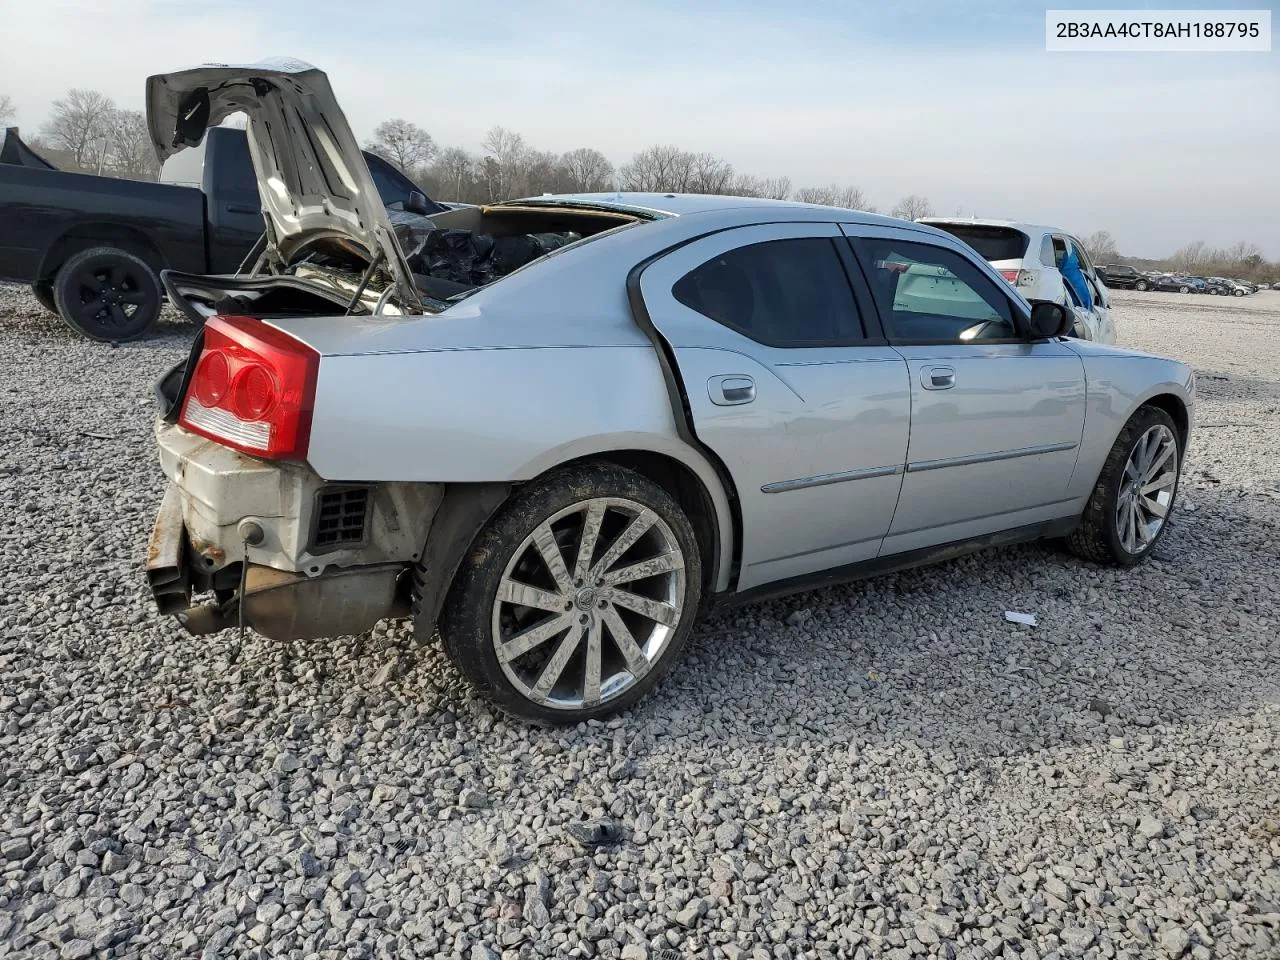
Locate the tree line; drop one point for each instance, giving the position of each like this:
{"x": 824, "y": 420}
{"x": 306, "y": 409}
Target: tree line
{"x": 1242, "y": 260}
{"x": 86, "y": 131}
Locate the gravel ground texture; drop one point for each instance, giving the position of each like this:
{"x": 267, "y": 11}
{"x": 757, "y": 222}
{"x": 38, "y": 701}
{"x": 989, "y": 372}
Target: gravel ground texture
{"x": 888, "y": 769}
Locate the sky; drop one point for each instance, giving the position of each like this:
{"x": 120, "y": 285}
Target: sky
{"x": 957, "y": 102}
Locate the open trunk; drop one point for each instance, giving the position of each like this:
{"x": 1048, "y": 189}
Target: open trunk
{"x": 330, "y": 245}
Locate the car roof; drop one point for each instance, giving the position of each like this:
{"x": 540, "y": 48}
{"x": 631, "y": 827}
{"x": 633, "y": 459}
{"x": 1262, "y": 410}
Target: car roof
{"x": 974, "y": 221}
{"x": 687, "y": 204}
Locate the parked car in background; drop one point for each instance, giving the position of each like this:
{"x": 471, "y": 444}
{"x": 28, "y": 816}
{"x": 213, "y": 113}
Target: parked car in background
{"x": 701, "y": 400}
{"x": 93, "y": 247}
{"x": 1119, "y": 276}
{"x": 1029, "y": 257}
{"x": 1172, "y": 284}
{"x": 1218, "y": 286}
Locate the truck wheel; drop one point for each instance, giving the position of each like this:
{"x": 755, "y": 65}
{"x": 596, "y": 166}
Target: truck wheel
{"x": 577, "y": 597}
{"x": 107, "y": 294}
{"x": 1140, "y": 285}
{"x": 43, "y": 292}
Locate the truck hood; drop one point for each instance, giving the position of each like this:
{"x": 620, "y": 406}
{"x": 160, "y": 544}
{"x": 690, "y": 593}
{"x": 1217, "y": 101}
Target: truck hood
{"x": 312, "y": 179}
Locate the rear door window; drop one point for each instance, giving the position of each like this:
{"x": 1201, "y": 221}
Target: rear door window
{"x": 783, "y": 293}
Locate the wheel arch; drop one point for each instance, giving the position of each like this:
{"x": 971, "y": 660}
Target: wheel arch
{"x": 1177, "y": 409}
{"x": 467, "y": 508}
{"x": 86, "y": 235}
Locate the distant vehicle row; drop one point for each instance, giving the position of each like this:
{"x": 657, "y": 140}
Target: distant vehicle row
{"x": 1123, "y": 276}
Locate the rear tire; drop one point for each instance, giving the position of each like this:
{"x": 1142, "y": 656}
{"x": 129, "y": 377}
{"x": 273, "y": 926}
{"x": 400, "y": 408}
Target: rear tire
{"x": 1129, "y": 509}
{"x": 107, "y": 294}
{"x": 559, "y": 640}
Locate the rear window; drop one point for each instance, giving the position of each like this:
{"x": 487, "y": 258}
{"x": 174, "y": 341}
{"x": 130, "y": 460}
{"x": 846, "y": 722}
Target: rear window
{"x": 993, "y": 243}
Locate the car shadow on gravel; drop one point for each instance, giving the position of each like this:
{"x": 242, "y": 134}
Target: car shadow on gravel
{"x": 923, "y": 657}
{"x": 927, "y": 654}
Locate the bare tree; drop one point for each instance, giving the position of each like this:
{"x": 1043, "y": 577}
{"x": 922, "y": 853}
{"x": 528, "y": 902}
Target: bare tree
{"x": 132, "y": 154}
{"x": 453, "y": 172}
{"x": 1101, "y": 246}
{"x": 709, "y": 174}
{"x": 7, "y": 110}
{"x": 1242, "y": 252}
{"x": 1192, "y": 255}
{"x": 834, "y": 195}
{"x": 540, "y": 171}
{"x": 912, "y": 207}
{"x": 586, "y": 170}
{"x": 80, "y": 126}
{"x": 656, "y": 169}
{"x": 775, "y": 188}
{"x": 404, "y": 144}
{"x": 506, "y": 156}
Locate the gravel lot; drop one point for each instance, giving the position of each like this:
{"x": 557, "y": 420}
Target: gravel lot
{"x": 884, "y": 769}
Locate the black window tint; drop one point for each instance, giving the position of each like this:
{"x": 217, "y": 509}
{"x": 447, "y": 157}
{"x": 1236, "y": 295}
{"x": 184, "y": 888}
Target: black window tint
{"x": 235, "y": 167}
{"x": 928, "y": 294}
{"x": 392, "y": 187}
{"x": 784, "y": 293}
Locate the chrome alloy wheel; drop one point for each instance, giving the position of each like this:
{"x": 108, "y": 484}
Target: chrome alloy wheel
{"x": 588, "y": 603}
{"x": 1146, "y": 488}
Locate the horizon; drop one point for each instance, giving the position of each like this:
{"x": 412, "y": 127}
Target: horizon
{"x": 961, "y": 106}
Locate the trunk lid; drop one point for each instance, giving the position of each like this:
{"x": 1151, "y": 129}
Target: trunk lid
{"x": 312, "y": 178}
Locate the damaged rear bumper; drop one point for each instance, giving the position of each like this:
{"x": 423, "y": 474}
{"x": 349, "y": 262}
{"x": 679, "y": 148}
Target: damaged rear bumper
{"x": 278, "y": 604}
{"x": 289, "y": 580}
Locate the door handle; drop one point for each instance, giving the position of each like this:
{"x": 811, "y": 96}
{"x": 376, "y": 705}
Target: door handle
{"x": 938, "y": 378}
{"x": 241, "y": 208}
{"x": 731, "y": 390}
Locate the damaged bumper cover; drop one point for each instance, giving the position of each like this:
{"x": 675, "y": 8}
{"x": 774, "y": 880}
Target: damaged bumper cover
{"x": 284, "y": 551}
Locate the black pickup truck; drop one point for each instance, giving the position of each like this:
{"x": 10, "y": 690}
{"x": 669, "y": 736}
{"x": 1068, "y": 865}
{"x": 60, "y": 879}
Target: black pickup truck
{"x": 93, "y": 247}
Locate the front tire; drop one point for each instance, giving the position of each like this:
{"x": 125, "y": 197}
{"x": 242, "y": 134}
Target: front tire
{"x": 1129, "y": 508}
{"x": 577, "y": 597}
{"x": 107, "y": 294}
{"x": 1140, "y": 285}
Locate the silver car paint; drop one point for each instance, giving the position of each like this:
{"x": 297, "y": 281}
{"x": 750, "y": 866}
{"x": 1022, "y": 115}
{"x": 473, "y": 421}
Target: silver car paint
{"x": 817, "y": 455}
{"x": 521, "y": 376}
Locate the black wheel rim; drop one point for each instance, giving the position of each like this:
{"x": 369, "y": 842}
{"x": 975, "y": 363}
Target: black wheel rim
{"x": 108, "y": 297}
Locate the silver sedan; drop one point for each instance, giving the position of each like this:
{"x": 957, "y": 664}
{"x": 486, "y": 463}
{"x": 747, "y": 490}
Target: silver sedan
{"x": 559, "y": 429}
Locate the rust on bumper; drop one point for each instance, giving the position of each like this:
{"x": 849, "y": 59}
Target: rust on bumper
{"x": 279, "y": 604}
{"x": 291, "y": 606}
{"x": 167, "y": 571}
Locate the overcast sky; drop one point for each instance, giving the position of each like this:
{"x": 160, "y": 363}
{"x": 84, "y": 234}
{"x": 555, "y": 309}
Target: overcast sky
{"x": 958, "y": 102}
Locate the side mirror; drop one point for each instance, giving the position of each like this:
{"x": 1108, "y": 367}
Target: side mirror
{"x": 1049, "y": 319}
{"x": 417, "y": 203}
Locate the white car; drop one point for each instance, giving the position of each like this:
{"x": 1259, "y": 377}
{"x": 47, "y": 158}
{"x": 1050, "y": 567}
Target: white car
{"x": 1028, "y": 257}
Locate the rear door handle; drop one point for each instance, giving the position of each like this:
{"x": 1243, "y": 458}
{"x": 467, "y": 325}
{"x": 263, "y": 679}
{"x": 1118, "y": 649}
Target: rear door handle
{"x": 242, "y": 208}
{"x": 938, "y": 378}
{"x": 731, "y": 390}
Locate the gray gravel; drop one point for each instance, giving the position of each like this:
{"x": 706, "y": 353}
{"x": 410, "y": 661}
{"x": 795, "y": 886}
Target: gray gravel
{"x": 885, "y": 769}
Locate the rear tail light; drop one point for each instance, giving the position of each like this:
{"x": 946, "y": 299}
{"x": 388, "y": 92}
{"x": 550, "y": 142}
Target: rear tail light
{"x": 253, "y": 389}
{"x": 1020, "y": 278}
